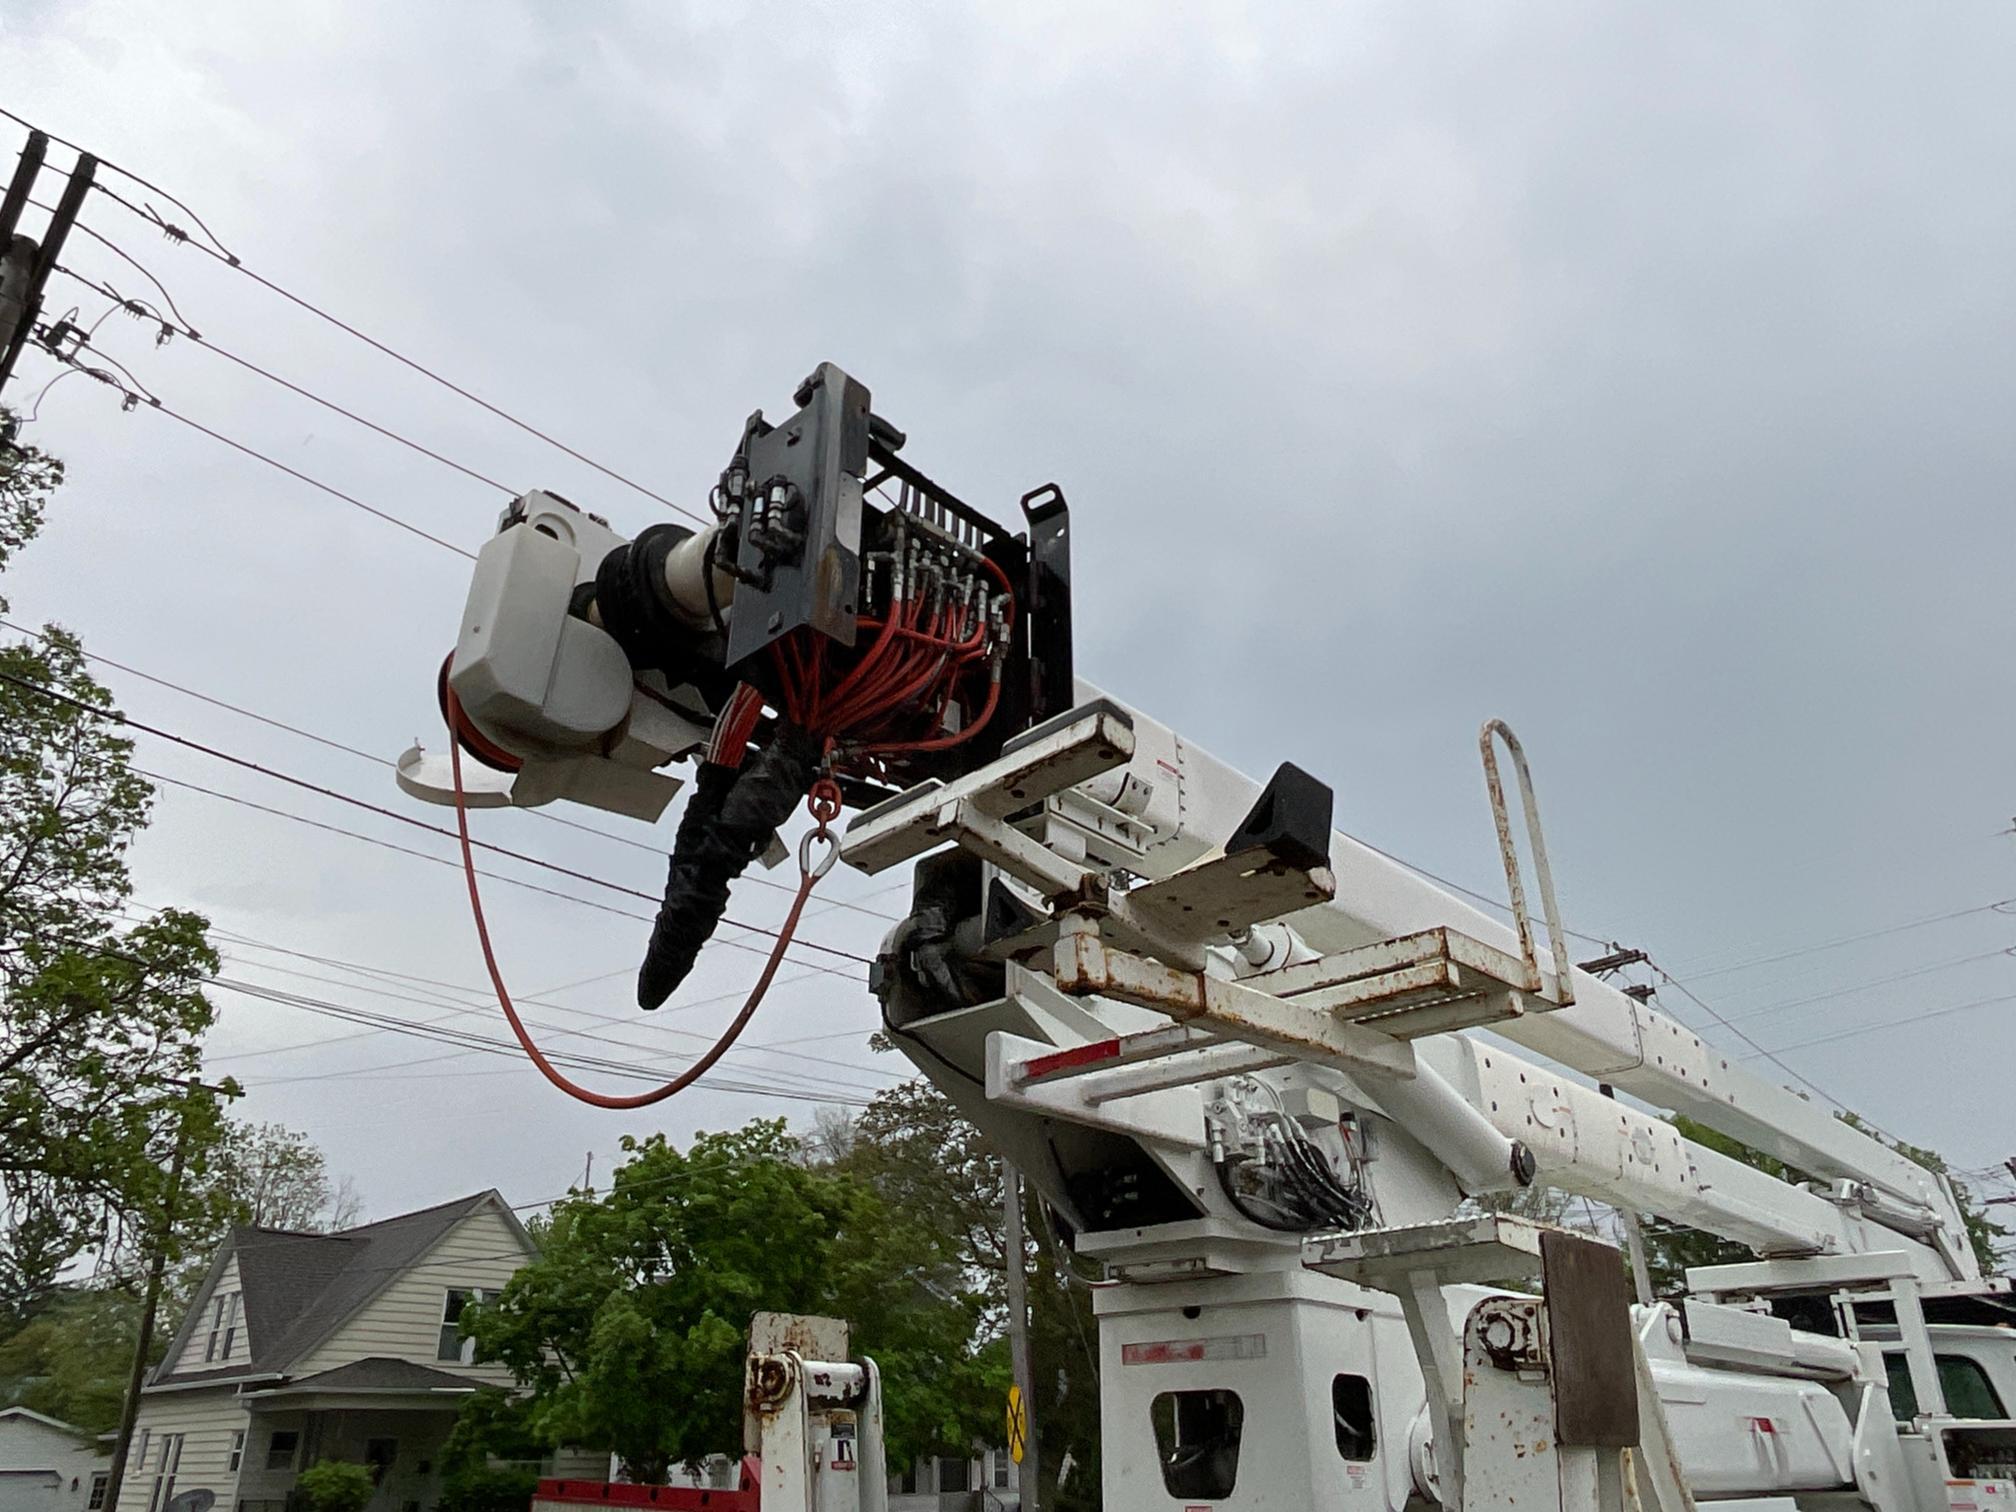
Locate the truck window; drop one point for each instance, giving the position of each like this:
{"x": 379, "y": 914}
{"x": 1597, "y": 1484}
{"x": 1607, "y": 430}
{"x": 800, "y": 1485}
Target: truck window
{"x": 1351, "y": 1412}
{"x": 1197, "y": 1442}
{"x": 1969, "y": 1392}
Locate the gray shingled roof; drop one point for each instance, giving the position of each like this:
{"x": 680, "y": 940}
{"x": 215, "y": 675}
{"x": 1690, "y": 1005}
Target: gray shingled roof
{"x": 300, "y": 1287}
{"x": 379, "y": 1373}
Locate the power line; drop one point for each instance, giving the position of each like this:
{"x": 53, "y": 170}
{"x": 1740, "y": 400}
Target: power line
{"x": 199, "y": 340}
{"x": 1771, "y": 1055}
{"x": 105, "y": 162}
{"x": 424, "y": 1029}
{"x": 1901, "y": 976}
{"x": 852, "y": 905}
{"x": 176, "y": 234}
{"x": 518, "y": 882}
{"x": 116, "y": 717}
{"x": 2000, "y": 906}
{"x": 1916, "y": 1018}
{"x": 134, "y": 400}
{"x": 437, "y": 998}
{"x": 435, "y": 1029}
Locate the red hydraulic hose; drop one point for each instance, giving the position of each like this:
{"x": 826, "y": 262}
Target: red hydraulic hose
{"x": 552, "y": 1073}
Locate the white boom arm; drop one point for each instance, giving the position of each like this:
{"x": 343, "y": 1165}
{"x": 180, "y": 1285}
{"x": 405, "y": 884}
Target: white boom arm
{"x": 1159, "y": 808}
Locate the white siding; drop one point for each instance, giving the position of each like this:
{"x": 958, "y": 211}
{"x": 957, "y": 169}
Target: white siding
{"x": 256, "y": 1483}
{"x": 404, "y": 1321}
{"x": 206, "y": 1420}
{"x": 192, "y": 1356}
{"x": 44, "y": 1469}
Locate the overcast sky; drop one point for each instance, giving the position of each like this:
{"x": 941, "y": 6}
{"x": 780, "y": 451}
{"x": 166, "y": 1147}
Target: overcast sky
{"x": 1640, "y": 375}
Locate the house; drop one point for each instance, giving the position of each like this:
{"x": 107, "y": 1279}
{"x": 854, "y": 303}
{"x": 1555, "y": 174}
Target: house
{"x": 306, "y": 1347}
{"x": 50, "y": 1466}
{"x": 990, "y": 1481}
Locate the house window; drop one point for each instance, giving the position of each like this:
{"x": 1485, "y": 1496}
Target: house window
{"x": 954, "y": 1474}
{"x": 237, "y": 1448}
{"x": 223, "y": 1327}
{"x": 1000, "y": 1469}
{"x": 98, "y": 1485}
{"x": 1351, "y": 1414}
{"x": 452, "y": 1346}
{"x": 167, "y": 1462}
{"x": 280, "y": 1449}
{"x": 1197, "y": 1442}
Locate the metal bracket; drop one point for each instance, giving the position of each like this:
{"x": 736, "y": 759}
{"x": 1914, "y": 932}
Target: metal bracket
{"x": 1508, "y": 850}
{"x": 1085, "y": 966}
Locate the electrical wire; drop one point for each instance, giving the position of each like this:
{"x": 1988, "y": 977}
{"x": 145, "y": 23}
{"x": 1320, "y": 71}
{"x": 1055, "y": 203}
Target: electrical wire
{"x": 105, "y": 162}
{"x": 1915, "y": 1018}
{"x": 196, "y": 338}
{"x": 133, "y": 400}
{"x": 177, "y": 235}
{"x": 2002, "y": 906}
{"x": 116, "y": 717}
{"x": 852, "y": 905}
{"x": 552, "y": 1073}
{"x": 1902, "y": 976}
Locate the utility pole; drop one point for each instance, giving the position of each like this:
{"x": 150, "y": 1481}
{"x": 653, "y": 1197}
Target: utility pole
{"x": 1018, "y": 1331}
{"x": 25, "y": 264}
{"x": 157, "y": 1266}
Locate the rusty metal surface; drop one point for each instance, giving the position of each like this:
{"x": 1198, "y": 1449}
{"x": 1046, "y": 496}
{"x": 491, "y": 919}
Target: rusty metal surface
{"x": 806, "y": 1335}
{"x": 1512, "y": 1332}
{"x": 1491, "y": 1248}
{"x": 1085, "y": 965}
{"x": 1590, "y": 1343}
{"x": 1222, "y": 893}
{"x": 1508, "y": 851}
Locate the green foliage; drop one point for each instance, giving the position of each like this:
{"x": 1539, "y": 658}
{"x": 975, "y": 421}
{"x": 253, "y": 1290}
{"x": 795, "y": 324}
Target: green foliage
{"x": 335, "y": 1486}
{"x": 492, "y": 1422}
{"x": 1670, "y": 1250}
{"x": 629, "y": 1330}
{"x": 70, "y": 1362}
{"x": 488, "y": 1488}
{"x": 93, "y": 1015}
{"x": 1984, "y": 1235}
{"x": 935, "y": 1170}
{"x": 27, "y": 480}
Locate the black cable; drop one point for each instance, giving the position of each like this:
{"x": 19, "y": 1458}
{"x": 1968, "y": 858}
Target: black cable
{"x": 175, "y": 233}
{"x": 198, "y": 339}
{"x": 134, "y": 399}
{"x": 1241, "y": 1205}
{"x": 104, "y": 162}
{"x": 371, "y": 756}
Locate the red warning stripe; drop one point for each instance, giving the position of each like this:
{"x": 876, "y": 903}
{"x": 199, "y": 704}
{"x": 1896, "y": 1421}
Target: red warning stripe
{"x": 1066, "y": 1060}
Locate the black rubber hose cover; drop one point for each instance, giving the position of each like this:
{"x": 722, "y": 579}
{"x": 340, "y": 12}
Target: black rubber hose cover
{"x": 728, "y": 822}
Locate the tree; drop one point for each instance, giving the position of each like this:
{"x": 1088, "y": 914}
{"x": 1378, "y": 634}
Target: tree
{"x": 272, "y": 1176}
{"x": 629, "y": 1329}
{"x": 71, "y": 1361}
{"x": 97, "y": 1019}
{"x": 935, "y": 1169}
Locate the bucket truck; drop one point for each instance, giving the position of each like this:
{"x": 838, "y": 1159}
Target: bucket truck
{"x": 1280, "y": 1087}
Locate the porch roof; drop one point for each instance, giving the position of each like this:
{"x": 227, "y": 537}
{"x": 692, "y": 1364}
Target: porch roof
{"x": 376, "y": 1377}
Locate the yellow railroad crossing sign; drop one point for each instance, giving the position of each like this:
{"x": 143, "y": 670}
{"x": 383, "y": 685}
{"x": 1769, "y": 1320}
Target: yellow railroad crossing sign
{"x": 1018, "y": 1424}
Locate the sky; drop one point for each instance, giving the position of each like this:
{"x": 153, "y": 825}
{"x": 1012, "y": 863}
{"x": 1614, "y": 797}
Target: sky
{"x": 1640, "y": 375}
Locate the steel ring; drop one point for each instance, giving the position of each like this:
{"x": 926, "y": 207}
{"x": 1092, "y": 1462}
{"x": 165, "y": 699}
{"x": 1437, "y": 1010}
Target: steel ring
{"x": 825, "y": 864}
